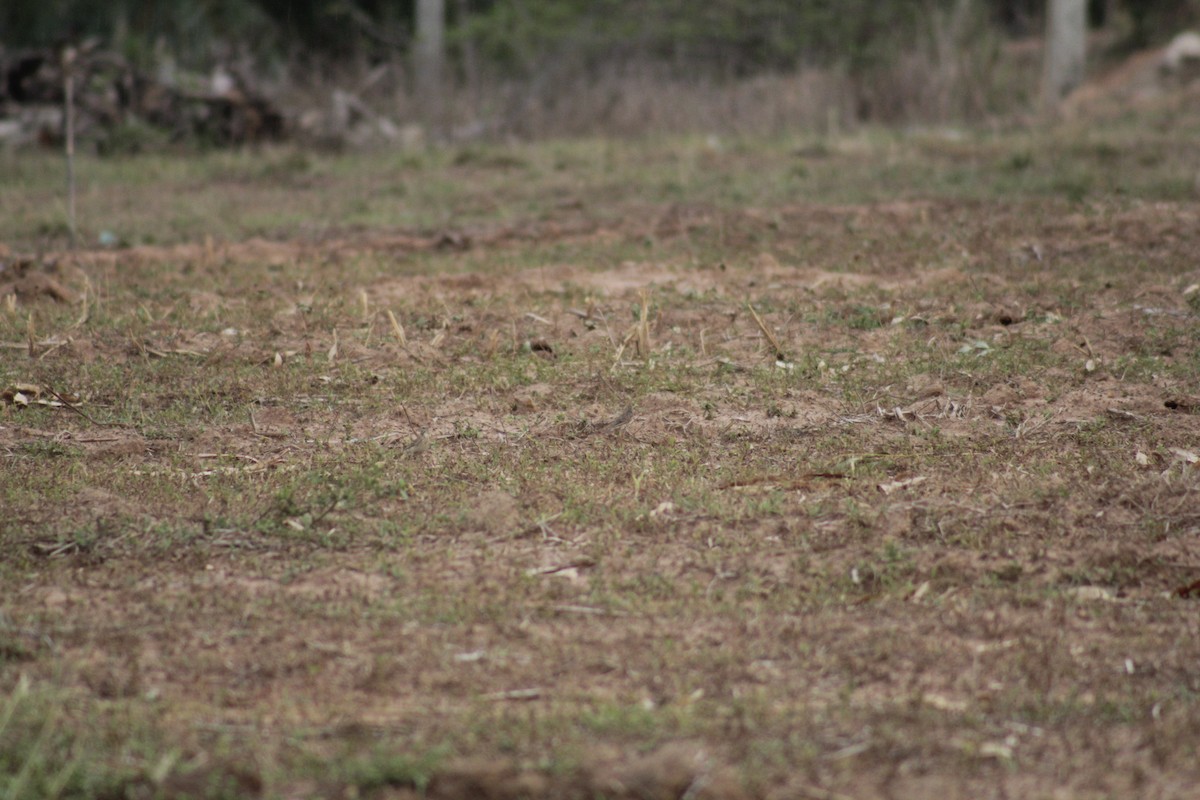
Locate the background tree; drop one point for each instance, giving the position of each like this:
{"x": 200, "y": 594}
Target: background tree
{"x": 430, "y": 57}
{"x": 728, "y": 36}
{"x": 507, "y": 61}
{"x": 1066, "y": 49}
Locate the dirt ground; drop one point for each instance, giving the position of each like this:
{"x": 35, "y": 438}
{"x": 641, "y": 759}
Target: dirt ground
{"x": 629, "y": 498}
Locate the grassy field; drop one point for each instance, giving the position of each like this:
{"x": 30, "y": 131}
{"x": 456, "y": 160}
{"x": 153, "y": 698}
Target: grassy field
{"x": 854, "y": 468}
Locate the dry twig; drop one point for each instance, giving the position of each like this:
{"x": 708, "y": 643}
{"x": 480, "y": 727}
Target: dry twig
{"x": 779, "y": 354}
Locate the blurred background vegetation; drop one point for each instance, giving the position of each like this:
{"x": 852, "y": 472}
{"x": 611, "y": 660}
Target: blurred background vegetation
{"x": 570, "y": 66}
{"x": 720, "y": 36}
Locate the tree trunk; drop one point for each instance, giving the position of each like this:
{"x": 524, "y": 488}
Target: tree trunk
{"x": 1066, "y": 50}
{"x": 431, "y": 58}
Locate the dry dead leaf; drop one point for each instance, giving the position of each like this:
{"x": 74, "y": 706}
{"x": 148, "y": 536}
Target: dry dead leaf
{"x": 516, "y": 694}
{"x": 541, "y": 346}
{"x": 26, "y": 394}
{"x": 893, "y": 486}
{"x": 21, "y": 393}
{"x": 1186, "y": 456}
{"x": 1190, "y": 590}
{"x": 1087, "y": 593}
{"x": 569, "y": 570}
{"x": 663, "y": 509}
{"x": 943, "y": 703}
{"x": 998, "y": 750}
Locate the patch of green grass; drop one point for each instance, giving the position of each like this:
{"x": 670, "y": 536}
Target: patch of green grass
{"x": 51, "y": 746}
{"x": 281, "y": 190}
{"x": 384, "y": 767}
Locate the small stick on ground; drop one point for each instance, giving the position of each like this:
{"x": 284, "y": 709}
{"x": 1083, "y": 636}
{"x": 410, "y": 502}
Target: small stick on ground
{"x": 68, "y": 404}
{"x": 762, "y": 326}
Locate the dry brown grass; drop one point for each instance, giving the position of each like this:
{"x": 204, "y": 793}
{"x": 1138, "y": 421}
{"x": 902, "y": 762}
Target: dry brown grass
{"x": 359, "y": 509}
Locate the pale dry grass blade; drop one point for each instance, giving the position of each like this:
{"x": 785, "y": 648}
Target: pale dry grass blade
{"x": 643, "y": 327}
{"x": 397, "y": 329}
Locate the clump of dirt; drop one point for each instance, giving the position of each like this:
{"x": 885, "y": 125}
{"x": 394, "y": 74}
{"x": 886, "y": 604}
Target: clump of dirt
{"x": 28, "y": 280}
